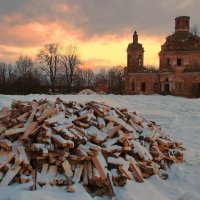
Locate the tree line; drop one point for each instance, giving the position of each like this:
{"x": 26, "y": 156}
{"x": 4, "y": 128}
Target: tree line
{"x": 56, "y": 69}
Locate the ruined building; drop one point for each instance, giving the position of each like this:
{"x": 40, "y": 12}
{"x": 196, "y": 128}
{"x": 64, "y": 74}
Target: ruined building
{"x": 179, "y": 70}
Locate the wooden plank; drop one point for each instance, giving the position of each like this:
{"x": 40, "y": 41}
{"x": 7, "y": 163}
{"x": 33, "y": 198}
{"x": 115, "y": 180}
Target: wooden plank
{"x": 4, "y": 112}
{"x": 85, "y": 116}
{"x": 25, "y": 157}
{"x": 85, "y": 173}
{"x": 113, "y": 131}
{"x": 81, "y": 124}
{"x": 90, "y": 174}
{"x": 101, "y": 165}
{"x": 22, "y": 117}
{"x": 6, "y": 144}
{"x": 12, "y": 132}
{"x": 119, "y": 121}
{"x": 110, "y": 185}
{"x": 34, "y": 177}
{"x": 125, "y": 171}
{"x": 46, "y": 115}
{"x": 62, "y": 142}
{"x": 31, "y": 117}
{"x": 63, "y": 127}
{"x": 101, "y": 122}
{"x": 29, "y": 130}
{"x": 2, "y": 128}
{"x": 10, "y": 174}
{"x": 113, "y": 149}
{"x": 6, "y": 159}
{"x": 96, "y": 175}
{"x": 96, "y": 110}
{"x": 18, "y": 126}
{"x": 55, "y": 118}
{"x": 155, "y": 169}
{"x": 136, "y": 127}
{"x": 136, "y": 119}
{"x": 117, "y": 161}
{"x": 18, "y": 156}
{"x": 109, "y": 126}
{"x": 135, "y": 169}
{"x": 93, "y": 147}
{"x": 77, "y": 173}
{"x": 110, "y": 142}
{"x": 67, "y": 168}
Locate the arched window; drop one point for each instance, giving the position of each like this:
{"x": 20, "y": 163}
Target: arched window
{"x": 139, "y": 61}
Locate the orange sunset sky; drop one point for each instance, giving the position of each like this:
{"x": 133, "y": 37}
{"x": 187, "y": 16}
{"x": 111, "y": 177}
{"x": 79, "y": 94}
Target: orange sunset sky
{"x": 101, "y": 29}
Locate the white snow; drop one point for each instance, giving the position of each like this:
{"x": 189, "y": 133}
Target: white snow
{"x": 178, "y": 116}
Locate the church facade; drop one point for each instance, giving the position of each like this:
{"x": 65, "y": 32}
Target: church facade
{"x": 179, "y": 69}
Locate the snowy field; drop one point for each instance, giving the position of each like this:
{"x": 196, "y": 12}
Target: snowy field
{"x": 178, "y": 116}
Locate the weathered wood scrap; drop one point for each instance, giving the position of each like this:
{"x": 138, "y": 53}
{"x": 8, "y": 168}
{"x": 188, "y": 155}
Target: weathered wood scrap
{"x": 10, "y": 174}
{"x": 5, "y": 159}
{"x": 54, "y": 119}
{"x": 77, "y": 173}
{"x": 4, "y": 112}
{"x": 33, "y": 126}
{"x": 135, "y": 169}
{"x": 110, "y": 185}
{"x": 85, "y": 173}
{"x": 6, "y": 144}
{"x": 101, "y": 165}
{"x": 22, "y": 117}
{"x": 125, "y": 172}
{"x": 67, "y": 168}
{"x": 62, "y": 142}
{"x": 155, "y": 169}
{"x": 2, "y": 128}
{"x": 47, "y": 114}
{"x": 113, "y": 131}
{"x": 16, "y": 131}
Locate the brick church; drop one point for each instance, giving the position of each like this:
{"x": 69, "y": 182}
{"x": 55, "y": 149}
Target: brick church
{"x": 179, "y": 70}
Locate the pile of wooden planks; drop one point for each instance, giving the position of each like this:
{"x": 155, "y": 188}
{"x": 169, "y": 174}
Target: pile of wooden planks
{"x": 64, "y": 143}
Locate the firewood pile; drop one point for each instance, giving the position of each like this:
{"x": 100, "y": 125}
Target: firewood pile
{"x": 64, "y": 143}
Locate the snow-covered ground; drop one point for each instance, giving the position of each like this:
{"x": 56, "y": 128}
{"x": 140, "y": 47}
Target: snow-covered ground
{"x": 178, "y": 116}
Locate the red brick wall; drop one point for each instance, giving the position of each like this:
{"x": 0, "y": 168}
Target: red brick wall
{"x": 188, "y": 58}
{"x": 150, "y": 79}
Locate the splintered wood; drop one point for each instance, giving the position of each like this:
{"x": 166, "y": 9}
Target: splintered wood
{"x": 64, "y": 143}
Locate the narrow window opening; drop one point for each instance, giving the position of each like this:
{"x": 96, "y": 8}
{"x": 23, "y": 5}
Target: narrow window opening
{"x": 168, "y": 62}
{"x": 133, "y": 86}
{"x": 143, "y": 87}
{"x": 179, "y": 62}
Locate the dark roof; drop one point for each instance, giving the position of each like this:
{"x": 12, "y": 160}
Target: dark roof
{"x": 181, "y": 41}
{"x": 182, "y": 17}
{"x": 135, "y": 46}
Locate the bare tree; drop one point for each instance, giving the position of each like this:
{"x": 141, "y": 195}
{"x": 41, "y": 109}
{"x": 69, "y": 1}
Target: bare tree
{"x": 88, "y": 76}
{"x": 2, "y": 74}
{"x": 24, "y": 65}
{"x": 49, "y": 60}
{"x": 69, "y": 63}
{"x": 116, "y": 80}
